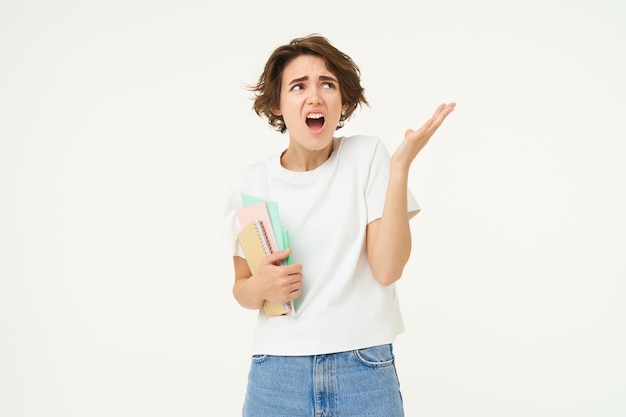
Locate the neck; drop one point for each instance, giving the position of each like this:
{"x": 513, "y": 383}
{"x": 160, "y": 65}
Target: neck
{"x": 300, "y": 160}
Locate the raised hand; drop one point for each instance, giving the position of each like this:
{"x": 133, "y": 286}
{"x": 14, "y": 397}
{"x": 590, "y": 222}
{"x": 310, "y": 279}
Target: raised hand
{"x": 415, "y": 140}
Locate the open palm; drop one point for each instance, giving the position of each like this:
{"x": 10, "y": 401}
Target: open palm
{"x": 415, "y": 140}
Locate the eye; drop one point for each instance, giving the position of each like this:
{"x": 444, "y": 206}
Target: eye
{"x": 297, "y": 87}
{"x": 328, "y": 84}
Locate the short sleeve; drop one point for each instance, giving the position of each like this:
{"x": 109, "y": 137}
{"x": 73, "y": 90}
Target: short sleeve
{"x": 231, "y": 225}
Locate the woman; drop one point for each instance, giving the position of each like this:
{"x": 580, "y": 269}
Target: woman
{"x": 346, "y": 206}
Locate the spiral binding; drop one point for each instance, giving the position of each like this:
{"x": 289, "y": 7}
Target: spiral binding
{"x": 258, "y": 224}
{"x": 260, "y": 229}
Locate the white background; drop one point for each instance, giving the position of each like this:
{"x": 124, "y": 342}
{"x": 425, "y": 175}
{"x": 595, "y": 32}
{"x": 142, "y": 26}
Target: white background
{"x": 120, "y": 122}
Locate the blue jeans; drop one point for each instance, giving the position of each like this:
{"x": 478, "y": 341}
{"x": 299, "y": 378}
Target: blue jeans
{"x": 359, "y": 383}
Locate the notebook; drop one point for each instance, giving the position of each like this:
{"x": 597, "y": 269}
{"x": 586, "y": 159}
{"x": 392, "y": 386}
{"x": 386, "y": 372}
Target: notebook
{"x": 254, "y": 243}
{"x": 257, "y": 240}
{"x": 258, "y": 211}
{"x": 272, "y": 209}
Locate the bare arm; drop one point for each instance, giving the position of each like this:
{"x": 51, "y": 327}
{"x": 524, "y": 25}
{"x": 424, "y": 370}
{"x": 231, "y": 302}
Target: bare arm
{"x": 278, "y": 283}
{"x": 389, "y": 238}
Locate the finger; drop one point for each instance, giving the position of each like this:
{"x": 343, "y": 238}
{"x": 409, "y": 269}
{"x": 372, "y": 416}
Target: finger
{"x": 432, "y": 124}
{"x": 440, "y": 109}
{"x": 295, "y": 288}
{"x": 446, "y": 109}
{"x": 293, "y": 269}
{"x": 440, "y": 114}
{"x": 295, "y": 285}
{"x": 296, "y": 278}
{"x": 294, "y": 294}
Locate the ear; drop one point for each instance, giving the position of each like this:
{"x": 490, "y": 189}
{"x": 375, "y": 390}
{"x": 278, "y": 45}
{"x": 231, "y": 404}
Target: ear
{"x": 344, "y": 107}
{"x": 276, "y": 112}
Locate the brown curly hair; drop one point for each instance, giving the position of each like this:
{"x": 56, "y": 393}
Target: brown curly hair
{"x": 267, "y": 89}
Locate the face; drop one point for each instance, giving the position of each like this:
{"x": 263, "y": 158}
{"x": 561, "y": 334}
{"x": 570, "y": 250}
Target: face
{"x": 310, "y": 102}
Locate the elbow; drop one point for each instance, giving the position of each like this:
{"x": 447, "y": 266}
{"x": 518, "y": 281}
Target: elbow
{"x": 390, "y": 270}
{"x": 389, "y": 276}
{"x": 245, "y": 300}
{"x": 387, "y": 267}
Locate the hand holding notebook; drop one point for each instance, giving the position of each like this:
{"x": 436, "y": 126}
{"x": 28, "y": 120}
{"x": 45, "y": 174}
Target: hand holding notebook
{"x": 261, "y": 235}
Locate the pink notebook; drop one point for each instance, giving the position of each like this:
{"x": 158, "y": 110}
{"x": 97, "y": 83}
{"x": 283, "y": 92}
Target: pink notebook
{"x": 258, "y": 211}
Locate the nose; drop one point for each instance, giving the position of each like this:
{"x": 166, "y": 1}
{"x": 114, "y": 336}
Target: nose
{"x": 314, "y": 97}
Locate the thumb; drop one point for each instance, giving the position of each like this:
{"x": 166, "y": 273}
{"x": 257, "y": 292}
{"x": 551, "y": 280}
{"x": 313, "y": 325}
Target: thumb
{"x": 278, "y": 256}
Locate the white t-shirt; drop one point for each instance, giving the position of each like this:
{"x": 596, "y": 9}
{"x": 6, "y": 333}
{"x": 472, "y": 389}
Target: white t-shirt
{"x": 326, "y": 212}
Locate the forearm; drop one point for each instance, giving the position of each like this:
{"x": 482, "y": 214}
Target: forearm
{"x": 246, "y": 294}
{"x": 391, "y": 248}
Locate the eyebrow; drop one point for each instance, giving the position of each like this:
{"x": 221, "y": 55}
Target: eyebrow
{"x": 306, "y": 77}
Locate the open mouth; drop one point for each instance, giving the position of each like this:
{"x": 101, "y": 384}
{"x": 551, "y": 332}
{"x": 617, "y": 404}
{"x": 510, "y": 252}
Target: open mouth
{"x": 315, "y": 120}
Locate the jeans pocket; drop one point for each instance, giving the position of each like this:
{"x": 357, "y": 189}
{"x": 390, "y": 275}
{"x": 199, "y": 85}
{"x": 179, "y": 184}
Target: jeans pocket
{"x": 376, "y": 356}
